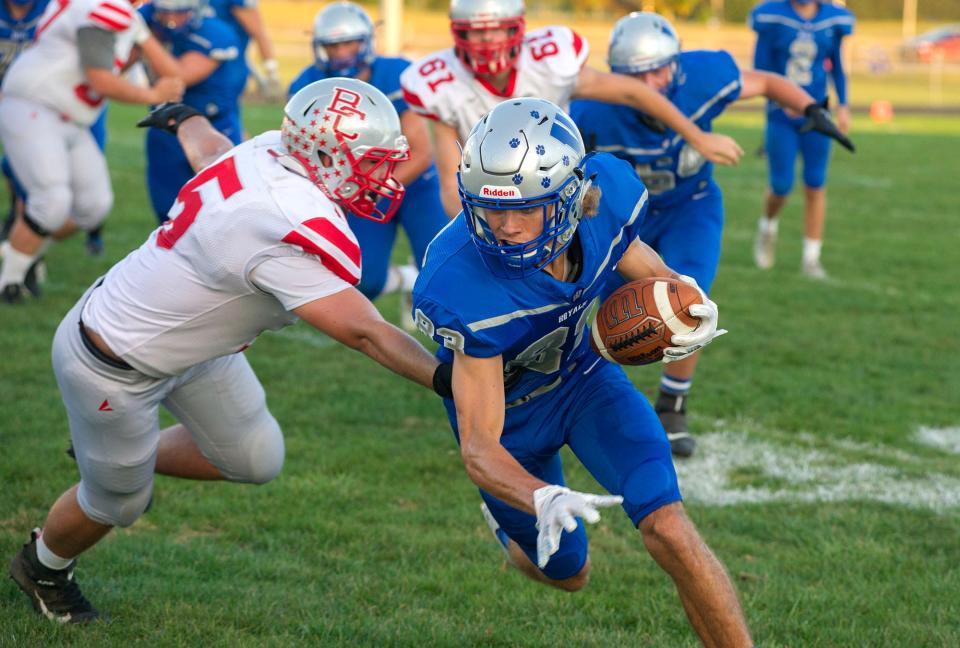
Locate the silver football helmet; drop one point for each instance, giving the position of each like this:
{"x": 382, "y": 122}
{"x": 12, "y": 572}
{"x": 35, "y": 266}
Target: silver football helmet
{"x": 168, "y": 16}
{"x": 338, "y": 23}
{"x": 345, "y": 136}
{"x": 642, "y": 41}
{"x": 477, "y": 15}
{"x": 525, "y": 153}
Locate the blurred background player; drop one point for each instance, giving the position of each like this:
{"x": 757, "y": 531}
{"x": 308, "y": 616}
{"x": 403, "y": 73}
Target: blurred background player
{"x": 18, "y": 23}
{"x": 52, "y": 93}
{"x": 343, "y": 45}
{"x": 685, "y": 219}
{"x": 243, "y": 17}
{"x": 259, "y": 243}
{"x": 211, "y": 65}
{"x": 506, "y": 292}
{"x": 801, "y": 40}
{"x": 493, "y": 59}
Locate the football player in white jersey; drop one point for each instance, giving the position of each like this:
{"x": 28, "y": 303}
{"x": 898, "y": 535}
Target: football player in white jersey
{"x": 493, "y": 59}
{"x": 51, "y": 95}
{"x": 257, "y": 239}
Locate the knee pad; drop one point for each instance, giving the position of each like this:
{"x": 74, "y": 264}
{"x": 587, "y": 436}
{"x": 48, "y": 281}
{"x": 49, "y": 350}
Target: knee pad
{"x": 781, "y": 185}
{"x": 264, "y": 451}
{"x": 650, "y": 486}
{"x": 90, "y": 209}
{"x": 111, "y": 507}
{"x": 48, "y": 209}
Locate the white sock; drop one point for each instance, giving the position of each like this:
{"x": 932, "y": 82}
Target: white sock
{"x": 769, "y": 225}
{"x": 15, "y": 266}
{"x": 811, "y": 250}
{"x": 49, "y": 559}
{"x": 400, "y": 279}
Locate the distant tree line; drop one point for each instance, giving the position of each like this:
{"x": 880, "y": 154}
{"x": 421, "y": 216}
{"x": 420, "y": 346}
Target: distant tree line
{"x": 733, "y": 10}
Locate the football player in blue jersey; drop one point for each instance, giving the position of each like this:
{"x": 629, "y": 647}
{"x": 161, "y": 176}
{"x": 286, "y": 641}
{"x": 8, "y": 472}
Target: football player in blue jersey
{"x": 243, "y": 17}
{"x": 211, "y": 64}
{"x": 685, "y": 219}
{"x": 800, "y": 39}
{"x": 507, "y": 289}
{"x": 343, "y": 46}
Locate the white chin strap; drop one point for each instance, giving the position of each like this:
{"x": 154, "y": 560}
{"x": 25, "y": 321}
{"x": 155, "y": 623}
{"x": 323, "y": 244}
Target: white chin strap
{"x": 291, "y": 163}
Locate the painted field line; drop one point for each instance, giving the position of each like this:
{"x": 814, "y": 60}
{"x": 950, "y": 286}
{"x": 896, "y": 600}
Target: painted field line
{"x": 732, "y": 467}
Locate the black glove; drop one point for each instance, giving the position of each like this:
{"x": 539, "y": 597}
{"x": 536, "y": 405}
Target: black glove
{"x": 168, "y": 116}
{"x": 818, "y": 119}
{"x": 443, "y": 380}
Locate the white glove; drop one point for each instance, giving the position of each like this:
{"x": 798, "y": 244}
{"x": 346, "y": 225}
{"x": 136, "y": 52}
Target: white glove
{"x": 557, "y": 509}
{"x": 689, "y": 343}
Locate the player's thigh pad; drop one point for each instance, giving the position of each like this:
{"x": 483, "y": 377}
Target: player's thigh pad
{"x": 521, "y": 527}
{"x": 421, "y": 213}
{"x": 690, "y": 244}
{"x": 376, "y": 244}
{"x": 782, "y": 144}
{"x": 37, "y": 139}
{"x": 224, "y": 407}
{"x": 113, "y": 424}
{"x": 540, "y": 457}
{"x": 815, "y": 151}
{"x": 90, "y": 182}
{"x": 615, "y": 433}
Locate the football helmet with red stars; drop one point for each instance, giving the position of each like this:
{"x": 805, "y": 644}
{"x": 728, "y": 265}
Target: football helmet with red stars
{"x": 487, "y": 34}
{"x": 344, "y": 135}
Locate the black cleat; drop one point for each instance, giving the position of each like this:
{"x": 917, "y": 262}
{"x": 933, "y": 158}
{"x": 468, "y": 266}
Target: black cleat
{"x": 53, "y": 592}
{"x": 672, "y": 410}
{"x": 95, "y": 242}
{"x": 12, "y": 294}
{"x": 36, "y": 275}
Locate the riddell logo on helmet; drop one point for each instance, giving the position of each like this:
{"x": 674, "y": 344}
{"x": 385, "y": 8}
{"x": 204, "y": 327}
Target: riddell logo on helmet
{"x": 490, "y": 191}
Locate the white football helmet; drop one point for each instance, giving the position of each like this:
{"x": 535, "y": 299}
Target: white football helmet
{"x": 525, "y": 153}
{"x": 345, "y": 136}
{"x": 642, "y": 41}
{"x": 484, "y": 15}
{"x": 341, "y": 22}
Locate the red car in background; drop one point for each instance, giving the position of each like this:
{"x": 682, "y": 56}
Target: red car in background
{"x": 929, "y": 45}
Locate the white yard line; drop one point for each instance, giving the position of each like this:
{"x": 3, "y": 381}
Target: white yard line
{"x": 802, "y": 474}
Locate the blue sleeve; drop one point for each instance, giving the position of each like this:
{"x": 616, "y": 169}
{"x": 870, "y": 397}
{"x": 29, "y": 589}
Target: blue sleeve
{"x": 388, "y": 81}
{"x": 763, "y": 58}
{"x": 713, "y": 78}
{"x": 450, "y": 331}
{"x": 838, "y": 74}
{"x": 214, "y": 40}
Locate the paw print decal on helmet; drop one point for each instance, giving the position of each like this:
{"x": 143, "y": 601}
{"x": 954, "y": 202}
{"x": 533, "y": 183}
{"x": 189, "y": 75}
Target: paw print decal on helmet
{"x": 540, "y": 149}
{"x": 545, "y": 182}
{"x": 514, "y": 143}
{"x": 517, "y": 179}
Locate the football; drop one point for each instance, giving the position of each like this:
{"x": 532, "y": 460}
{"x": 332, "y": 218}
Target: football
{"x": 638, "y": 320}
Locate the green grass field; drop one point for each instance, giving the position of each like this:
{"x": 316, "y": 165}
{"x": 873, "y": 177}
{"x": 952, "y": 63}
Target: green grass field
{"x": 828, "y": 477}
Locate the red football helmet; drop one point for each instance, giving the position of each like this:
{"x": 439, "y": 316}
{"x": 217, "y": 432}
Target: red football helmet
{"x": 473, "y": 23}
{"x": 345, "y": 134}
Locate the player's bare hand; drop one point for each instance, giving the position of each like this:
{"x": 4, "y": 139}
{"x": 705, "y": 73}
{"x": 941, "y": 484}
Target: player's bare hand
{"x": 843, "y": 119}
{"x": 557, "y": 509}
{"x": 167, "y": 89}
{"x": 717, "y": 148}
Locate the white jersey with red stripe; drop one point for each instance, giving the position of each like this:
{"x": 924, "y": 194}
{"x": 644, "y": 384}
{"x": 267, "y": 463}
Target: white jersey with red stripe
{"x": 442, "y": 88}
{"x": 49, "y": 72}
{"x": 249, "y": 242}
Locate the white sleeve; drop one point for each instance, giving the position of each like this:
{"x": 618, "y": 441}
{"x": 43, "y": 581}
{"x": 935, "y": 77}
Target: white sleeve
{"x": 296, "y": 280}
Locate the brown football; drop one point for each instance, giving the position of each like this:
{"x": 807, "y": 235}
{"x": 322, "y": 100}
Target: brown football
{"x": 638, "y": 320}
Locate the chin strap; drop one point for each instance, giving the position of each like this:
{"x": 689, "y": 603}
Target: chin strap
{"x": 290, "y": 163}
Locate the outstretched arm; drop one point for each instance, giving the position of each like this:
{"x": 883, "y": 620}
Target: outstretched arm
{"x": 776, "y": 88}
{"x": 349, "y": 318}
{"x": 623, "y": 89}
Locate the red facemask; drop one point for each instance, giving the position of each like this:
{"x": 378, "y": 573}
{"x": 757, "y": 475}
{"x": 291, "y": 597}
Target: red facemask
{"x": 488, "y": 57}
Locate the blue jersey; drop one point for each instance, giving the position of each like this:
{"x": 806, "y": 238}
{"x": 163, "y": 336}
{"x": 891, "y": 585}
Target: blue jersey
{"x": 705, "y": 82}
{"x": 384, "y": 76}
{"x": 218, "y": 94}
{"x": 223, "y": 9}
{"x": 15, "y": 34}
{"x": 537, "y": 324}
{"x": 799, "y": 49}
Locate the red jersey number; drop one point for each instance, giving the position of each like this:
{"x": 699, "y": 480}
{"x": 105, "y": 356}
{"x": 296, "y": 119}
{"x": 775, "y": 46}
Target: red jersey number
{"x": 434, "y": 65}
{"x": 541, "y": 48}
{"x": 225, "y": 174}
